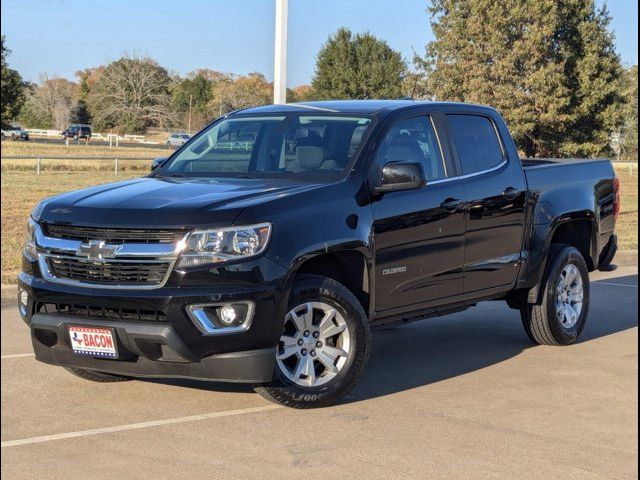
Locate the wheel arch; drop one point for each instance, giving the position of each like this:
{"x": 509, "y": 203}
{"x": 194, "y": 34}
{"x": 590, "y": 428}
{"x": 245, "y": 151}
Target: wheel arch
{"x": 349, "y": 267}
{"x": 578, "y": 230}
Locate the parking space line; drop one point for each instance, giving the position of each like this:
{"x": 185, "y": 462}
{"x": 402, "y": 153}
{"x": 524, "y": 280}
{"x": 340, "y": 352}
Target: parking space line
{"x": 17, "y": 355}
{"x": 614, "y": 284}
{"x": 136, "y": 426}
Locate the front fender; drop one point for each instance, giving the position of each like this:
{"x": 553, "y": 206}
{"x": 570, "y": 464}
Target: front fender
{"x": 321, "y": 221}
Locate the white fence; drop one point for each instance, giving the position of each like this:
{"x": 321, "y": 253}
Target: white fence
{"x": 38, "y": 166}
{"x": 98, "y": 136}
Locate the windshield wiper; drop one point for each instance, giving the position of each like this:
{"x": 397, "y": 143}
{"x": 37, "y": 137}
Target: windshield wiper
{"x": 244, "y": 176}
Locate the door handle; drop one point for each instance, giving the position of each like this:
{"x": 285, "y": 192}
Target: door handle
{"x": 451, "y": 204}
{"x": 510, "y": 193}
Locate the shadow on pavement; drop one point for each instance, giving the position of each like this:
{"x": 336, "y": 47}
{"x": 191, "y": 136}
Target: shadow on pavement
{"x": 437, "y": 349}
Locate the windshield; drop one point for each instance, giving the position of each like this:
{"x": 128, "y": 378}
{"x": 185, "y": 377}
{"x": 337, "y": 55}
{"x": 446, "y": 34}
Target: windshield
{"x": 290, "y": 145}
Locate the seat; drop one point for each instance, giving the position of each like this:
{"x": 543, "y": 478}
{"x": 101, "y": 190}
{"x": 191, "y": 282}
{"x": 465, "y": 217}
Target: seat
{"x": 311, "y": 155}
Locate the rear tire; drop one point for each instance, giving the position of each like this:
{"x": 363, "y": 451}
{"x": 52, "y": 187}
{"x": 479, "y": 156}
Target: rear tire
{"x": 562, "y": 315}
{"x": 96, "y": 376}
{"x": 319, "y": 306}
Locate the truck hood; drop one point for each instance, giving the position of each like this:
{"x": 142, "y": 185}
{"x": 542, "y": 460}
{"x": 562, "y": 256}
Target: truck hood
{"x": 164, "y": 202}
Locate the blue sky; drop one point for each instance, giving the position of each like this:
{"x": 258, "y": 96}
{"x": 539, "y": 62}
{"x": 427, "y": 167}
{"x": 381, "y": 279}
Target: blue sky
{"x": 62, "y": 36}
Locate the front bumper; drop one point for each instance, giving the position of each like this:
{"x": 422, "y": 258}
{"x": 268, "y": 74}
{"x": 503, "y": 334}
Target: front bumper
{"x": 167, "y": 344}
{"x": 147, "y": 351}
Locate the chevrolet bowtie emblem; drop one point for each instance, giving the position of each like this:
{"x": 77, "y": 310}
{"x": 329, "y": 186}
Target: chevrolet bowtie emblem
{"x": 97, "y": 250}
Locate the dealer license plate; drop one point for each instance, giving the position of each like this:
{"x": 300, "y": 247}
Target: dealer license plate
{"x": 93, "y": 341}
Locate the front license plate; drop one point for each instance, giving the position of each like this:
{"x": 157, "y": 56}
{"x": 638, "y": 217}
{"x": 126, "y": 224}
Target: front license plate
{"x": 93, "y": 342}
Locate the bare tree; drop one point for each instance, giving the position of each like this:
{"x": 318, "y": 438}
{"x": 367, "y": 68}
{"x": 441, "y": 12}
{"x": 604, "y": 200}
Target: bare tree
{"x": 49, "y": 103}
{"x": 131, "y": 94}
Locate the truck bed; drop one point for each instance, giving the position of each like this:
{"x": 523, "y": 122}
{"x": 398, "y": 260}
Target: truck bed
{"x": 547, "y": 162}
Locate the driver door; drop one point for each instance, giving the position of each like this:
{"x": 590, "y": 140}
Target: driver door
{"x": 418, "y": 234}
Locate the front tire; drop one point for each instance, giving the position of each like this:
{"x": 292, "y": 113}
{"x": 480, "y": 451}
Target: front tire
{"x": 96, "y": 376}
{"x": 562, "y": 315}
{"x": 324, "y": 346}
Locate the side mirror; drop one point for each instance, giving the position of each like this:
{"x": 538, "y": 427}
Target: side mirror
{"x": 158, "y": 162}
{"x": 397, "y": 176}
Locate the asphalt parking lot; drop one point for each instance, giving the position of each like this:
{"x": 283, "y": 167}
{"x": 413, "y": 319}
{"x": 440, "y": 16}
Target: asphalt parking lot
{"x": 463, "y": 396}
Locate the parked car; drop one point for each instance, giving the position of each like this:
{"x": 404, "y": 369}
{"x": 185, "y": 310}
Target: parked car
{"x": 77, "y": 132}
{"x": 270, "y": 264}
{"x": 178, "y": 139}
{"x": 15, "y": 132}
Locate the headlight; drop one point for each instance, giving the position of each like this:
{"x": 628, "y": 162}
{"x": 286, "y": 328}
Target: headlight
{"x": 202, "y": 247}
{"x": 30, "y": 241}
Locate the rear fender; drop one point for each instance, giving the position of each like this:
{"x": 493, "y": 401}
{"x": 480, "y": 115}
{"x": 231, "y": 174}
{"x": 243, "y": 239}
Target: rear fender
{"x": 541, "y": 253}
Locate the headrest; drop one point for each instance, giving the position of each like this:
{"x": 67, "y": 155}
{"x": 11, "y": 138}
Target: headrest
{"x": 312, "y": 139}
{"x": 309, "y": 157}
{"x": 404, "y": 147}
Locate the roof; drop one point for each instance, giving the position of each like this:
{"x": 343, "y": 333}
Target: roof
{"x": 345, "y": 106}
{"x": 334, "y": 106}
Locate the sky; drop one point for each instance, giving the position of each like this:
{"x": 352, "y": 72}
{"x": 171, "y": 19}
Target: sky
{"x": 60, "y": 37}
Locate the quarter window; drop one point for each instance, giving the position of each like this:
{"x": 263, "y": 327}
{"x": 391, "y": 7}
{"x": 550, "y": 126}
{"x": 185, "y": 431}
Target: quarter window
{"x": 476, "y": 142}
{"x": 413, "y": 140}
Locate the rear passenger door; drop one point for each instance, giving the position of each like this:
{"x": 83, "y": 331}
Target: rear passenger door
{"x": 496, "y": 190}
{"x": 418, "y": 234}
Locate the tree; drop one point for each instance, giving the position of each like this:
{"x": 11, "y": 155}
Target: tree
{"x": 131, "y": 94}
{"x": 49, "y": 104}
{"x": 549, "y": 66}
{"x": 627, "y": 113}
{"x": 86, "y": 80}
{"x": 191, "y": 99}
{"x": 357, "y": 66}
{"x": 233, "y": 93}
{"x": 79, "y": 113}
{"x": 301, "y": 93}
{"x": 13, "y": 88}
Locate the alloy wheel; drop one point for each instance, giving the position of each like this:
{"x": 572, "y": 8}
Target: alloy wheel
{"x": 315, "y": 344}
{"x": 569, "y": 296}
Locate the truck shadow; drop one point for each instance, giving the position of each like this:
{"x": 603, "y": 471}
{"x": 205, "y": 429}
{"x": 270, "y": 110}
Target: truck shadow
{"x": 429, "y": 351}
{"x": 441, "y": 348}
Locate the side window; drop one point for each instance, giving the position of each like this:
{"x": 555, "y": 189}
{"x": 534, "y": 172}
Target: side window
{"x": 413, "y": 140}
{"x": 476, "y": 142}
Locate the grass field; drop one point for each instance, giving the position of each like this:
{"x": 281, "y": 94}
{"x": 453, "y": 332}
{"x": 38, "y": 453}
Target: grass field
{"x": 627, "y": 227}
{"x": 44, "y": 150}
{"x": 21, "y": 190}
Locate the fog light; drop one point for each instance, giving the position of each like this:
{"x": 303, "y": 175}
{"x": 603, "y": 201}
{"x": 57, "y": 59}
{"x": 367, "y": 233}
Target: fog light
{"x": 228, "y": 315}
{"x": 221, "y": 319}
{"x": 24, "y": 302}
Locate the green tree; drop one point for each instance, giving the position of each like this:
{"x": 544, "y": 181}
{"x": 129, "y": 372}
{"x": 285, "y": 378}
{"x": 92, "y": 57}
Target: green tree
{"x": 13, "y": 88}
{"x": 549, "y": 66}
{"x": 191, "y": 98}
{"x": 80, "y": 111}
{"x": 131, "y": 94}
{"x": 357, "y": 66}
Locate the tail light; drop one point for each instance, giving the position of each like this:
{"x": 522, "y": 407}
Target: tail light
{"x": 616, "y": 198}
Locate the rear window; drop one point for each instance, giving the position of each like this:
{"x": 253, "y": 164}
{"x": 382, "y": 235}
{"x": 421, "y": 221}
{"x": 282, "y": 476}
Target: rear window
{"x": 476, "y": 142}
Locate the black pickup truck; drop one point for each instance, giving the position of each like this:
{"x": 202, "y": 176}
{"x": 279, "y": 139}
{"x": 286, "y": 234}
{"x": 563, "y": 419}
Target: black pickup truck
{"x": 267, "y": 247}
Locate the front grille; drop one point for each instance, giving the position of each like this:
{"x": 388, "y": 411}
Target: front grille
{"x": 112, "y": 235}
{"x": 101, "y": 312}
{"x": 113, "y": 272}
